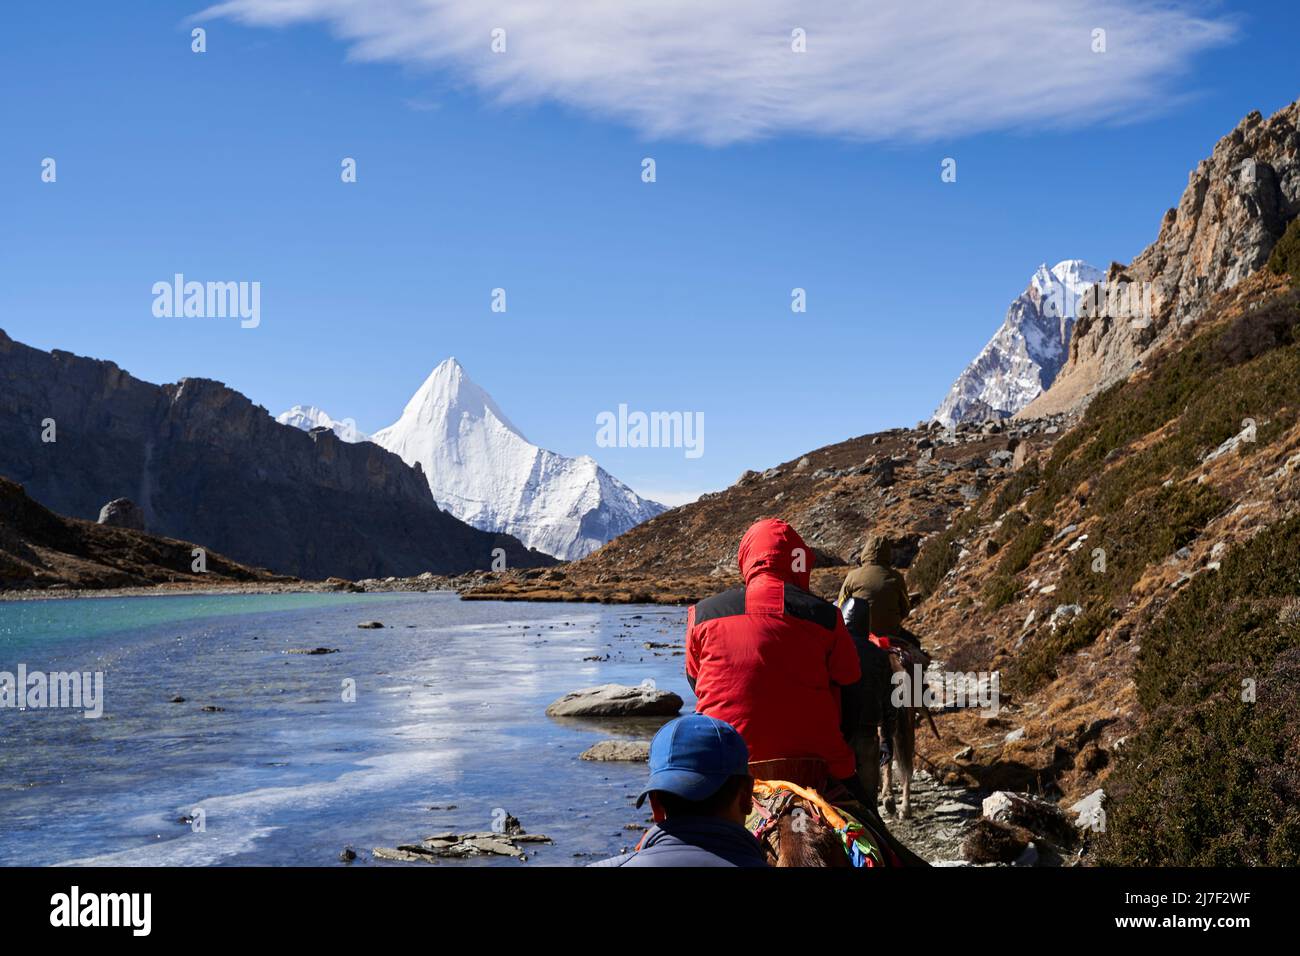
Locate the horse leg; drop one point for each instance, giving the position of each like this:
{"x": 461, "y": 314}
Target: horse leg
{"x": 889, "y": 786}
{"x": 904, "y": 751}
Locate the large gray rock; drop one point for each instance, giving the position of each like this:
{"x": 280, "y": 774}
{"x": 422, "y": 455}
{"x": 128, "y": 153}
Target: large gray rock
{"x": 122, "y": 513}
{"x": 616, "y": 700}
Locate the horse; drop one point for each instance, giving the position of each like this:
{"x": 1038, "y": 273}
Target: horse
{"x": 907, "y": 663}
{"x": 818, "y": 825}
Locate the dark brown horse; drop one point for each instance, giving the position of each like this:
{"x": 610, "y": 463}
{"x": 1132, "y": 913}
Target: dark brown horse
{"x": 799, "y": 821}
{"x": 907, "y": 664}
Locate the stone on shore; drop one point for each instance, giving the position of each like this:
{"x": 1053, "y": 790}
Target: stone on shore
{"x": 616, "y": 700}
{"x": 634, "y": 750}
{"x": 511, "y": 841}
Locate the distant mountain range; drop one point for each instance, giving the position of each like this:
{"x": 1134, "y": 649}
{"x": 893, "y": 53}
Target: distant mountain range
{"x": 205, "y": 464}
{"x": 482, "y": 469}
{"x": 1024, "y": 356}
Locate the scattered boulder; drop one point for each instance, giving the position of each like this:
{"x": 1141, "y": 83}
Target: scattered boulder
{"x": 630, "y": 750}
{"x": 122, "y": 513}
{"x": 1040, "y": 817}
{"x": 616, "y": 700}
{"x": 1090, "y": 812}
{"x": 400, "y": 856}
{"x": 506, "y": 842}
{"x": 1064, "y": 614}
{"x": 371, "y": 625}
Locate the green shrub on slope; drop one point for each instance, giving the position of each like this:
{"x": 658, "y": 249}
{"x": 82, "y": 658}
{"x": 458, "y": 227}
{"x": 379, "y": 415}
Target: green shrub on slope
{"x": 1213, "y": 778}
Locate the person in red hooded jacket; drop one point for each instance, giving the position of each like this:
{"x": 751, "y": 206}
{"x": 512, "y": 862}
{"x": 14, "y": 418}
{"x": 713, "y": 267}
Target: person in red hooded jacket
{"x": 769, "y": 658}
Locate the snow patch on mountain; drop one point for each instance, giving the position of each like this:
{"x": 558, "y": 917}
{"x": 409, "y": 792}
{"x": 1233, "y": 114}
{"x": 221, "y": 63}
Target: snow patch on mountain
{"x": 1025, "y": 355}
{"x": 483, "y": 470}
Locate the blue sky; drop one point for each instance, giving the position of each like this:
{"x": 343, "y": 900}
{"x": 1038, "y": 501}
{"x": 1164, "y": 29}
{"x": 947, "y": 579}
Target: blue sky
{"x": 525, "y": 174}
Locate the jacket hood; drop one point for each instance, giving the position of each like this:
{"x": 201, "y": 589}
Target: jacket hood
{"x": 877, "y": 550}
{"x": 771, "y": 546}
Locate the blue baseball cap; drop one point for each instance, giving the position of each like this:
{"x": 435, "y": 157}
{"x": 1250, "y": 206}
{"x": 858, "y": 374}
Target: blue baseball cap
{"x": 693, "y": 756}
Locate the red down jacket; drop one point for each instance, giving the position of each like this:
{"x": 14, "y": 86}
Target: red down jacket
{"x": 769, "y": 658}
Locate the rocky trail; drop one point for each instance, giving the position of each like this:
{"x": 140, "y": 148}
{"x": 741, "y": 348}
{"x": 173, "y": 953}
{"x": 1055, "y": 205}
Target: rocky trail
{"x": 942, "y": 815}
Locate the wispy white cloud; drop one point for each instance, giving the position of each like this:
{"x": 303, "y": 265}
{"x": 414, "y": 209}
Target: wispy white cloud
{"x": 723, "y": 71}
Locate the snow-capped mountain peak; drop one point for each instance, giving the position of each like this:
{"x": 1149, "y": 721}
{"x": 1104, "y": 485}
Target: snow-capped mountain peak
{"x": 483, "y": 470}
{"x": 449, "y": 398}
{"x": 308, "y": 417}
{"x": 1024, "y": 356}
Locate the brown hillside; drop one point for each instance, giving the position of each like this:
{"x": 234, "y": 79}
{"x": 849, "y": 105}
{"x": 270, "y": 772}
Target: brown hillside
{"x": 908, "y": 483}
{"x": 1194, "y": 514}
{"x": 41, "y": 549}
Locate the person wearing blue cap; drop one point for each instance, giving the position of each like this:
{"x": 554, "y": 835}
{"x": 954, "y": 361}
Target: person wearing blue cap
{"x": 700, "y": 793}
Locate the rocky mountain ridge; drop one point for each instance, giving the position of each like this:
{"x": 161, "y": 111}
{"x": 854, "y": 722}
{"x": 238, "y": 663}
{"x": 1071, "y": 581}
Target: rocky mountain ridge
{"x": 1028, "y": 350}
{"x": 205, "y": 464}
{"x": 1236, "y": 205}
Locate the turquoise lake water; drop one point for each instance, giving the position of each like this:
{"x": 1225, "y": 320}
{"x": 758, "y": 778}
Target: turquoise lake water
{"x": 446, "y": 729}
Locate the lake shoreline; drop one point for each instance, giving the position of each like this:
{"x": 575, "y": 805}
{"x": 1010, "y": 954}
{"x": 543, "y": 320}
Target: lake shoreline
{"x": 399, "y": 586}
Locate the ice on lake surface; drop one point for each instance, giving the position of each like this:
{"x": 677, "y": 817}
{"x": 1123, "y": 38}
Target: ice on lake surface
{"x": 448, "y": 713}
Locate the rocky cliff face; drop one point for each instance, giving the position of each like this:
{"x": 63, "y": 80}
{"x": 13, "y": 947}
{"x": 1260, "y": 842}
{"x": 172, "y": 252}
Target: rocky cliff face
{"x": 1236, "y": 206}
{"x": 205, "y": 464}
{"x": 1025, "y": 355}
